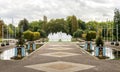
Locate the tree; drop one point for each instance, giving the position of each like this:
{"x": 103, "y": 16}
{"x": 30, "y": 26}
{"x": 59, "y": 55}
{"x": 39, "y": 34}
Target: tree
{"x": 35, "y": 26}
{"x": 30, "y": 36}
{"x": 57, "y": 25}
{"x": 92, "y": 25}
{"x": 1, "y": 24}
{"x": 72, "y": 23}
{"x": 90, "y": 35}
{"x": 81, "y": 24}
{"x": 117, "y": 22}
{"x": 99, "y": 41}
{"x": 42, "y": 33}
{"x": 11, "y": 30}
{"x": 78, "y": 33}
{"x": 23, "y": 24}
{"x": 36, "y": 35}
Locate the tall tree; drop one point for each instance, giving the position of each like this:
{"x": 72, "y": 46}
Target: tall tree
{"x": 1, "y": 24}
{"x": 81, "y": 24}
{"x": 57, "y": 25}
{"x": 35, "y": 26}
{"x": 24, "y": 24}
{"x": 117, "y": 22}
{"x": 72, "y": 23}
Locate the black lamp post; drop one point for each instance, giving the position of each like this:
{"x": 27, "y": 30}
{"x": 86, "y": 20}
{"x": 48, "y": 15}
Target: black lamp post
{"x": 117, "y": 42}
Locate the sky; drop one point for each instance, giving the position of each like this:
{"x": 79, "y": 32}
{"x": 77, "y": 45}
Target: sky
{"x": 99, "y": 10}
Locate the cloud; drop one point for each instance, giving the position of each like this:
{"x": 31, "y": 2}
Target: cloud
{"x": 36, "y": 9}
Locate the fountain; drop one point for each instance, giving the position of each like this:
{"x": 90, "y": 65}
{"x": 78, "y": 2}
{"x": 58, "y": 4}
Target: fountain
{"x": 59, "y": 36}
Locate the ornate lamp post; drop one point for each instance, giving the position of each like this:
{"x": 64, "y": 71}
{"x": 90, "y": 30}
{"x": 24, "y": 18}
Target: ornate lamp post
{"x": 117, "y": 42}
{"x": 7, "y": 42}
{"x": 112, "y": 43}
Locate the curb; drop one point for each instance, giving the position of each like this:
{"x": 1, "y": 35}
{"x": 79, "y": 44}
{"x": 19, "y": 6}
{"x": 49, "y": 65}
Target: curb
{"x": 33, "y": 52}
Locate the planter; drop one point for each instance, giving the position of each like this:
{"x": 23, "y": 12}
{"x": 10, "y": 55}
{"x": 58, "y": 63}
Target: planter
{"x": 31, "y": 46}
{"x": 88, "y": 46}
{"x": 19, "y": 53}
{"x": 100, "y": 52}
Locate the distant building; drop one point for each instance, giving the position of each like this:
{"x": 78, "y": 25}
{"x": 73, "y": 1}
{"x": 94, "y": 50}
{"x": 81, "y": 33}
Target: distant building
{"x": 45, "y": 18}
{"x": 45, "y": 22}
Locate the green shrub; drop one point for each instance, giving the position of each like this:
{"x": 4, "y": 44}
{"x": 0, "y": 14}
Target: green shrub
{"x": 42, "y": 34}
{"x": 78, "y": 33}
{"x": 90, "y": 35}
{"x": 36, "y": 35}
{"x": 99, "y": 41}
{"x": 30, "y": 36}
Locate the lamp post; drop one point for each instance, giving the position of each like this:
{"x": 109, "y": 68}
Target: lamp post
{"x": 107, "y": 32}
{"x": 112, "y": 42}
{"x": 117, "y": 43}
{"x": 7, "y": 43}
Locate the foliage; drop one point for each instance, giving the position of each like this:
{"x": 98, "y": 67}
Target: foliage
{"x": 36, "y": 35}
{"x": 93, "y": 34}
{"x": 57, "y": 25}
{"x": 84, "y": 36}
{"x": 81, "y": 24}
{"x": 78, "y": 33}
{"x": 23, "y": 25}
{"x": 72, "y": 24}
{"x": 35, "y": 25}
{"x": 90, "y": 35}
{"x": 30, "y": 36}
{"x": 117, "y": 22}
{"x": 99, "y": 41}
{"x": 92, "y": 25}
{"x": 42, "y": 33}
{"x": 1, "y": 24}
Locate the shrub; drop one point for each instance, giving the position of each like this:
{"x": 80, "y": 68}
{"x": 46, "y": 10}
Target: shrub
{"x": 78, "y": 33}
{"x": 83, "y": 36}
{"x": 30, "y": 36}
{"x": 36, "y": 35}
{"x": 90, "y": 35}
{"x": 99, "y": 41}
{"x": 42, "y": 34}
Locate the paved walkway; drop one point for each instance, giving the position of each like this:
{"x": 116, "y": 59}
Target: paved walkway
{"x": 60, "y": 57}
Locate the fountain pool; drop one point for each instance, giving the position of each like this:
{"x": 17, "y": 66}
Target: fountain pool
{"x": 110, "y": 53}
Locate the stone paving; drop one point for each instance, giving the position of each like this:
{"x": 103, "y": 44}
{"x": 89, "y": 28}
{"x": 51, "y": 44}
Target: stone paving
{"x": 70, "y": 58}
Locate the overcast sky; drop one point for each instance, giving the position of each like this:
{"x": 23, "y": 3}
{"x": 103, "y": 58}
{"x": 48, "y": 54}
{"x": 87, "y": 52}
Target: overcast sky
{"x": 36, "y": 9}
